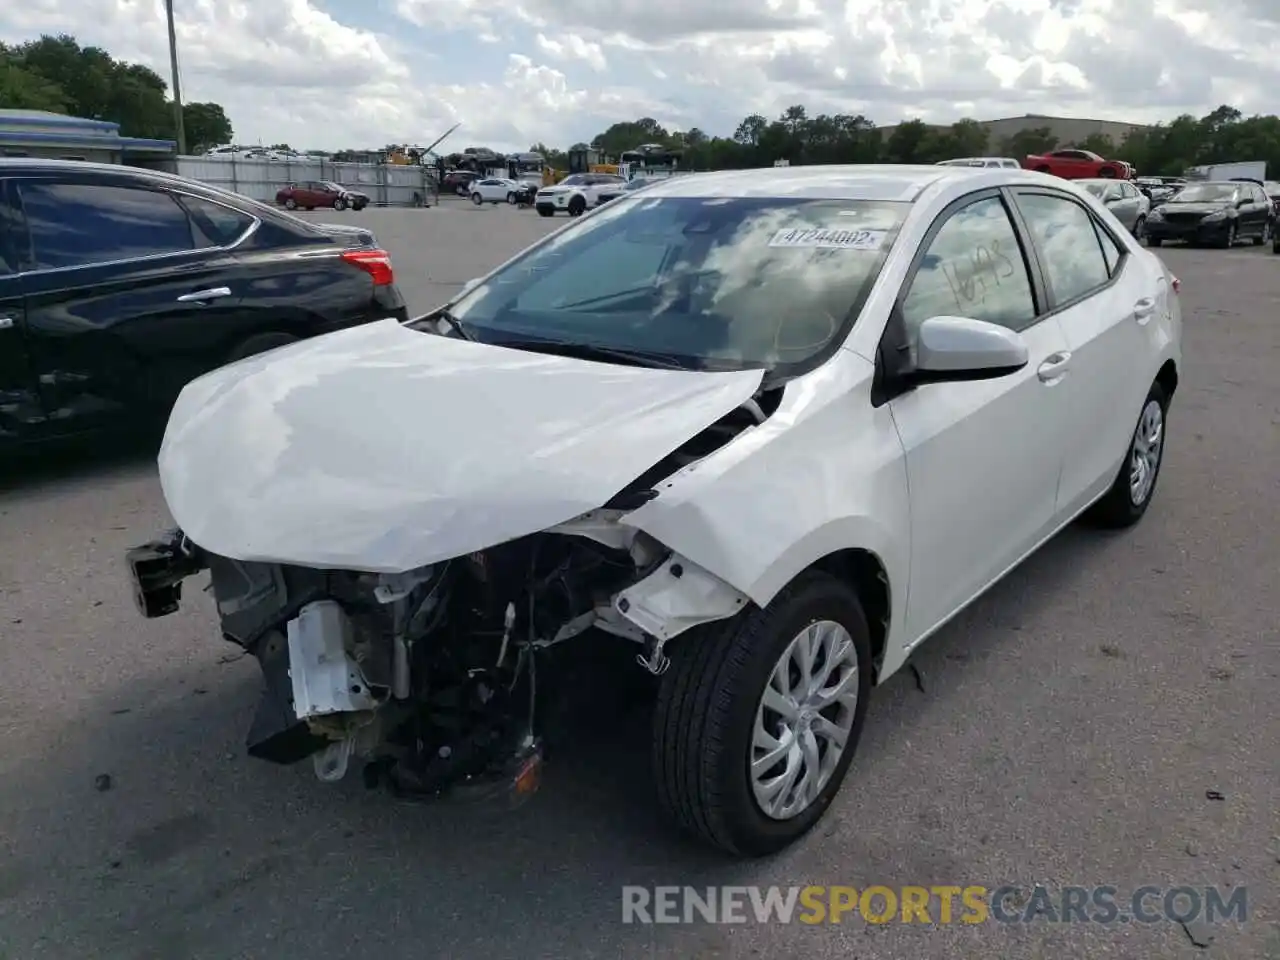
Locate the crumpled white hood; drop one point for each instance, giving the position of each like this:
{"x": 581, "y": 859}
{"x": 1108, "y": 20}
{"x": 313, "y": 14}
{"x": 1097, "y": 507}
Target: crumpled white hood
{"x": 382, "y": 448}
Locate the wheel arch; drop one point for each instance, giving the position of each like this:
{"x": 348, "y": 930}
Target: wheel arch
{"x": 1168, "y": 378}
{"x": 866, "y": 573}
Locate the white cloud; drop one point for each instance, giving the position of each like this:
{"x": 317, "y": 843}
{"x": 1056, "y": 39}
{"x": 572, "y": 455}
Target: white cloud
{"x": 334, "y": 73}
{"x": 573, "y": 47}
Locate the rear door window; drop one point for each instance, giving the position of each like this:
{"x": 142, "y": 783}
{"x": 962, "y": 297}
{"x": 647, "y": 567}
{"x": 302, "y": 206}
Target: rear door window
{"x": 1069, "y": 245}
{"x": 216, "y": 225}
{"x": 80, "y": 224}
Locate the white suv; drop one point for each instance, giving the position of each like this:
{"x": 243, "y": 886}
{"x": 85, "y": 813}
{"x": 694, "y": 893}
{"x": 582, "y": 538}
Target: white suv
{"x": 576, "y": 193}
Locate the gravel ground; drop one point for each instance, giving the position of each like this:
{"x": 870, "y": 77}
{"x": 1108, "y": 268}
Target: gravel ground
{"x": 1069, "y": 729}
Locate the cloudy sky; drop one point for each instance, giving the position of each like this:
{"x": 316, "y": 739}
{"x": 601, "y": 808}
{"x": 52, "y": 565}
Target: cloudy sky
{"x": 341, "y": 73}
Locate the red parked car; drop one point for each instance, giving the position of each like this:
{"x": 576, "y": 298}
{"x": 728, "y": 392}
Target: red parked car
{"x": 1078, "y": 165}
{"x": 310, "y": 194}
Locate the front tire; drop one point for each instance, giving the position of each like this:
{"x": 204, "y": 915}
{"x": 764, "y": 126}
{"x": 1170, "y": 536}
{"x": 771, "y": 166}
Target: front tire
{"x": 1107, "y": 173}
{"x": 1265, "y": 236}
{"x": 543, "y": 212}
{"x": 340, "y": 204}
{"x": 727, "y": 734}
{"x": 1140, "y": 228}
{"x": 1154, "y": 241}
{"x": 291, "y": 204}
{"x": 511, "y": 199}
{"x": 477, "y": 199}
{"x": 1229, "y": 240}
{"x": 1135, "y": 485}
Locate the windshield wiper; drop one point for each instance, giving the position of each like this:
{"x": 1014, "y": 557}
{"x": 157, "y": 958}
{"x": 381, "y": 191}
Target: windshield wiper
{"x": 453, "y": 323}
{"x": 590, "y": 351}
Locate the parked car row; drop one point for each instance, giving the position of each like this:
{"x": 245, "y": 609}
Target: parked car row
{"x": 119, "y": 285}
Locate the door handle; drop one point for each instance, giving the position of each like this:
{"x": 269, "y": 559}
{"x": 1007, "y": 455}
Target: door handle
{"x": 7, "y": 323}
{"x": 199, "y": 296}
{"x": 1055, "y": 367}
{"x": 1144, "y": 310}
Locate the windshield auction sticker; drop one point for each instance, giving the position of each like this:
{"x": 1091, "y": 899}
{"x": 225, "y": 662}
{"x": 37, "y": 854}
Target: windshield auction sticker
{"x": 829, "y": 238}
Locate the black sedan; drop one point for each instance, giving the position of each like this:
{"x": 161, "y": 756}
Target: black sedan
{"x": 120, "y": 285}
{"x": 1217, "y": 212}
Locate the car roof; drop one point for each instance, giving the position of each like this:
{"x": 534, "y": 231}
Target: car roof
{"x": 900, "y": 182}
{"x": 35, "y": 165}
{"x": 32, "y": 165}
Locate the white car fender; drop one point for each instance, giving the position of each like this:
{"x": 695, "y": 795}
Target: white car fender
{"x": 825, "y": 473}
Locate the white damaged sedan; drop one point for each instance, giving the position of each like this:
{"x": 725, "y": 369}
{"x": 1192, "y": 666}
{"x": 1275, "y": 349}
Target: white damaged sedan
{"x": 771, "y": 428}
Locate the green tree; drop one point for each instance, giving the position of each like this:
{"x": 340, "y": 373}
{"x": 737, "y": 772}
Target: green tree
{"x": 1099, "y": 143}
{"x": 1026, "y": 143}
{"x": 909, "y": 143}
{"x": 22, "y": 89}
{"x": 55, "y": 73}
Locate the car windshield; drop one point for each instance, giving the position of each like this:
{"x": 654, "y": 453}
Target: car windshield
{"x": 1097, "y": 189}
{"x": 707, "y": 283}
{"x": 330, "y": 185}
{"x": 1207, "y": 193}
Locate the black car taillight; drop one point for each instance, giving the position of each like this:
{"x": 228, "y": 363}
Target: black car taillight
{"x": 376, "y": 263}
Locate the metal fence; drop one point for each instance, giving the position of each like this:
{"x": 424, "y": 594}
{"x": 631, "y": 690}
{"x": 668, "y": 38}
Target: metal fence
{"x": 386, "y": 184}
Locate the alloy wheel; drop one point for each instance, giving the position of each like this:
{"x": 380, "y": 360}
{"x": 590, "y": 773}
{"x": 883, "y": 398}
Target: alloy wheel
{"x": 804, "y": 720}
{"x": 1144, "y": 458}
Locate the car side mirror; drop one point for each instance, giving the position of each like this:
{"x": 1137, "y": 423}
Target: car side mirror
{"x": 1243, "y": 203}
{"x": 960, "y": 348}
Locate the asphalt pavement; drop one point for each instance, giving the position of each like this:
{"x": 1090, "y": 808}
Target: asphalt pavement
{"x": 1108, "y": 715}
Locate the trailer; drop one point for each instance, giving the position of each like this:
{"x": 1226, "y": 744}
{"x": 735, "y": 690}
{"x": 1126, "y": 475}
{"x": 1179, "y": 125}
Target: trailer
{"x": 1239, "y": 170}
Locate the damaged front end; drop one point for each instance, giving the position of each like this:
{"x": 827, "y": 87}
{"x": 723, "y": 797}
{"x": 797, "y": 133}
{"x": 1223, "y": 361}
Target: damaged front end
{"x": 444, "y": 678}
{"x": 431, "y": 677}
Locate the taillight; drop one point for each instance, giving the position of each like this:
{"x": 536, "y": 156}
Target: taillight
{"x": 376, "y": 263}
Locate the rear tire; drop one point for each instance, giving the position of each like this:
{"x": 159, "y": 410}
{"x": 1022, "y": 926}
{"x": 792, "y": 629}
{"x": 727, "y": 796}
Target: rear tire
{"x": 1140, "y": 228}
{"x": 577, "y": 206}
{"x": 1134, "y": 487}
{"x": 709, "y": 706}
{"x": 259, "y": 343}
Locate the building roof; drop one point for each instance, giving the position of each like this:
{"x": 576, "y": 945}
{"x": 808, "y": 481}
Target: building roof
{"x": 43, "y": 118}
{"x": 40, "y": 128}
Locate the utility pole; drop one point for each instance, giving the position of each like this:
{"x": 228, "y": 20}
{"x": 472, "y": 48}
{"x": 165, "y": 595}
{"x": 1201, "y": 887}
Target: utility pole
{"x": 177, "y": 89}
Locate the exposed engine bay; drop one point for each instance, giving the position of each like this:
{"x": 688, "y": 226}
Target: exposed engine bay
{"x": 439, "y": 679}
